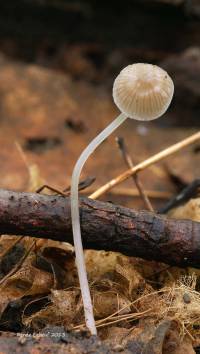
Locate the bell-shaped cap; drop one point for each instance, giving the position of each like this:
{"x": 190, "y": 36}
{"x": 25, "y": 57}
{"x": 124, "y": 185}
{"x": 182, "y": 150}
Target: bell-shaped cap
{"x": 143, "y": 91}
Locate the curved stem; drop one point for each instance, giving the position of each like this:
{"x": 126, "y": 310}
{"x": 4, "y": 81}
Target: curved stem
{"x": 80, "y": 262}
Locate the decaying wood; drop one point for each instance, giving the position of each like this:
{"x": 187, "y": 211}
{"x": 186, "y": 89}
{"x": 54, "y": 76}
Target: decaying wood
{"x": 104, "y": 226}
{"x": 56, "y": 340}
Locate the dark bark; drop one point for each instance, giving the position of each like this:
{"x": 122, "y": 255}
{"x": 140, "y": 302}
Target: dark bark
{"x": 104, "y": 226}
{"x": 56, "y": 340}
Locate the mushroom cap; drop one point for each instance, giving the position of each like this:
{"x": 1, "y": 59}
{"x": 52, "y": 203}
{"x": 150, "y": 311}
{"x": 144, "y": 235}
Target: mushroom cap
{"x": 143, "y": 91}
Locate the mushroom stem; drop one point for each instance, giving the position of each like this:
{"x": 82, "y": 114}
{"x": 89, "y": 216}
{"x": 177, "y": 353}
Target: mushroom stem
{"x": 80, "y": 262}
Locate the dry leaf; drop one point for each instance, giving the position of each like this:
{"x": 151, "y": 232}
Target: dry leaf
{"x": 129, "y": 279}
{"x": 106, "y": 303}
{"x": 99, "y": 263}
{"x": 63, "y": 309}
{"x": 28, "y": 280}
{"x": 190, "y": 210}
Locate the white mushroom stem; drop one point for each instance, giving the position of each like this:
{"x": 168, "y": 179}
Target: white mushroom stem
{"x": 80, "y": 262}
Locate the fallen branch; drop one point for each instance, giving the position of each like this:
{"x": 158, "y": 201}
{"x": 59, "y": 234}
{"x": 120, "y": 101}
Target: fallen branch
{"x": 104, "y": 226}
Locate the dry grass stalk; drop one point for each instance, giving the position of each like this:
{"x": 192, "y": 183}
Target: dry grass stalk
{"x": 148, "y": 162}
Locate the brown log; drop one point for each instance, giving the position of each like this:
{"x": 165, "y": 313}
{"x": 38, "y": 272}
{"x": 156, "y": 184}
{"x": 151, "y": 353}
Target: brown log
{"x": 105, "y": 226}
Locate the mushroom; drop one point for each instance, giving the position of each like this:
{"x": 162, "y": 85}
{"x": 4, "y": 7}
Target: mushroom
{"x": 142, "y": 92}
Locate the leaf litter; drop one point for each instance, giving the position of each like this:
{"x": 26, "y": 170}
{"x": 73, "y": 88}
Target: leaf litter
{"x": 133, "y": 299}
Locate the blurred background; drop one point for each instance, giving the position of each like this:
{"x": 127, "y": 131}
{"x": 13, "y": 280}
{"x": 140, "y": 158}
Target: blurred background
{"x": 58, "y": 60}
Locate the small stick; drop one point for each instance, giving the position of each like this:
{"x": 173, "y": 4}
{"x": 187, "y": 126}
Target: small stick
{"x": 22, "y": 154}
{"x": 133, "y": 192}
{"x": 141, "y": 166}
{"x": 127, "y": 158}
{"x": 52, "y": 189}
{"x": 188, "y": 192}
{"x": 82, "y": 185}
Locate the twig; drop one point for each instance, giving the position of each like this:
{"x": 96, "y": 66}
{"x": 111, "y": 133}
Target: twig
{"x": 133, "y": 192}
{"x": 82, "y": 185}
{"x": 127, "y": 158}
{"x": 52, "y": 189}
{"x": 22, "y": 154}
{"x": 87, "y": 182}
{"x": 187, "y": 193}
{"x": 141, "y": 166}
